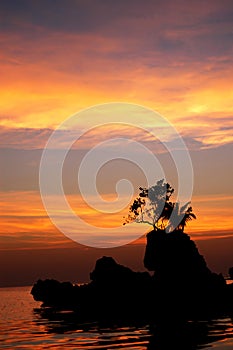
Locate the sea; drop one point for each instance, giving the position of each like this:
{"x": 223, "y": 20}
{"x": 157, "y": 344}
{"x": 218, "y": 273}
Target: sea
{"x": 25, "y": 325}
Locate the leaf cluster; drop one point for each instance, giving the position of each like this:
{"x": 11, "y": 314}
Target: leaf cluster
{"x": 153, "y": 206}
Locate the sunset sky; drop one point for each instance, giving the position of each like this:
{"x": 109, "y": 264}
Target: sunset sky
{"x": 59, "y": 57}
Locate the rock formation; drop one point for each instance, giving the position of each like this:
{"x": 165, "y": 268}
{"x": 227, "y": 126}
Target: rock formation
{"x": 182, "y": 285}
{"x": 181, "y": 276}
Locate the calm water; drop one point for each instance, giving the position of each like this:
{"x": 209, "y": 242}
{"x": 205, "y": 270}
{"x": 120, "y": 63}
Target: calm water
{"x": 24, "y": 326}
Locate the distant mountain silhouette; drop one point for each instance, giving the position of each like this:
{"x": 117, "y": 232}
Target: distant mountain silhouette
{"x": 182, "y": 285}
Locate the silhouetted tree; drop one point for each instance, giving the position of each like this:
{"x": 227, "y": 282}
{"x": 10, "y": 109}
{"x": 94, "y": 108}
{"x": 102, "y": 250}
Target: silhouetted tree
{"x": 180, "y": 216}
{"x": 153, "y": 207}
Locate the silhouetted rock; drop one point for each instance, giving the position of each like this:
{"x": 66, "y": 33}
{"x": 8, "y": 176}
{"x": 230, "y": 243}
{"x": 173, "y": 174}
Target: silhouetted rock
{"x": 108, "y": 272}
{"x": 181, "y": 276}
{"x": 230, "y": 271}
{"x": 182, "y": 285}
{"x": 119, "y": 289}
{"x": 114, "y": 290}
{"x": 54, "y": 293}
{"x": 173, "y": 253}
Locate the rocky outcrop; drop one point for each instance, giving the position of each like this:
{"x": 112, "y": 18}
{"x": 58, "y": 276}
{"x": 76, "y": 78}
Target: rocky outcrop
{"x": 120, "y": 290}
{"x": 181, "y": 275}
{"x": 114, "y": 290}
{"x": 174, "y": 253}
{"x": 182, "y": 285}
{"x": 55, "y": 293}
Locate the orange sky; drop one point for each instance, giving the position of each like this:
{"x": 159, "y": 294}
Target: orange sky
{"x": 25, "y": 222}
{"x": 172, "y": 56}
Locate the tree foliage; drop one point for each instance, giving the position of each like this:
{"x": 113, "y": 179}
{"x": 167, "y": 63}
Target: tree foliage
{"x": 153, "y": 206}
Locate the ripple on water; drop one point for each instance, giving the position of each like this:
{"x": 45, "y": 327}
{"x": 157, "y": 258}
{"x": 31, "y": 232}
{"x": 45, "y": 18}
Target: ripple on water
{"x": 24, "y": 326}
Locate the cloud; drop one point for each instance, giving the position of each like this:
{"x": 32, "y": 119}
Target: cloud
{"x": 24, "y": 138}
{"x": 197, "y": 135}
{"x": 40, "y": 101}
{"x": 173, "y": 57}
{"x": 25, "y": 224}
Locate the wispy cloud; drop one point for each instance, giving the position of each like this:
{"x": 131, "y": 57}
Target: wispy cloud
{"x": 174, "y": 57}
{"x": 25, "y": 223}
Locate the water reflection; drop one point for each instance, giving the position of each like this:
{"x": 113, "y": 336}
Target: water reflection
{"x": 133, "y": 334}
